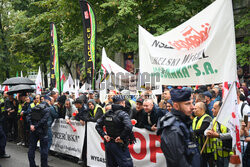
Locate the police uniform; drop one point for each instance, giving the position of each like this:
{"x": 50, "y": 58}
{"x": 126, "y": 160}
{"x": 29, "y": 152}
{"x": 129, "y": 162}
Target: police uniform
{"x": 177, "y": 141}
{"x": 118, "y": 124}
{"x": 2, "y": 139}
{"x": 39, "y": 117}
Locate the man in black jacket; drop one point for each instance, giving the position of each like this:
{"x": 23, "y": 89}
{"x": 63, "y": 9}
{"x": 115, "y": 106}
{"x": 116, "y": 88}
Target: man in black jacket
{"x": 175, "y": 128}
{"x": 119, "y": 128}
{"x": 138, "y": 113}
{"x": 153, "y": 114}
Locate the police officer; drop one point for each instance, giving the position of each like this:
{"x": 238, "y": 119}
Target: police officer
{"x": 37, "y": 120}
{"x": 119, "y": 128}
{"x": 175, "y": 128}
{"x": 2, "y": 138}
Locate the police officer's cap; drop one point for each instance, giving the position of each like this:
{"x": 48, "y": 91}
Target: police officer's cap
{"x": 118, "y": 98}
{"x": 47, "y": 98}
{"x": 208, "y": 94}
{"x": 180, "y": 95}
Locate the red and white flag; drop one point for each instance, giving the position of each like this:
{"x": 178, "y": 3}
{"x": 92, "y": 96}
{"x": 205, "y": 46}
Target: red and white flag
{"x": 228, "y": 116}
{"x": 225, "y": 90}
{"x": 39, "y": 82}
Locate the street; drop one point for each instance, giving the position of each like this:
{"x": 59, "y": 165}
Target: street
{"x": 19, "y": 158}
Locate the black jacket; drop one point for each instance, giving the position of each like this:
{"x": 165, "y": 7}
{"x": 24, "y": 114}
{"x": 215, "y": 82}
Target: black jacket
{"x": 82, "y": 115}
{"x": 155, "y": 115}
{"x": 173, "y": 138}
{"x": 124, "y": 122}
{"x": 11, "y": 105}
{"x": 138, "y": 116}
{"x": 41, "y": 125}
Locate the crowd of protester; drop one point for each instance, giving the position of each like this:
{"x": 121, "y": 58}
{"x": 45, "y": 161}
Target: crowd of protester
{"x": 145, "y": 109}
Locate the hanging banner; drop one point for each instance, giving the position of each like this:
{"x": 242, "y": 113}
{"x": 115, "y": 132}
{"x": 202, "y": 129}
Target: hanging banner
{"x": 89, "y": 30}
{"x": 145, "y": 152}
{"x": 67, "y": 141}
{"x": 200, "y": 51}
{"x": 54, "y": 60}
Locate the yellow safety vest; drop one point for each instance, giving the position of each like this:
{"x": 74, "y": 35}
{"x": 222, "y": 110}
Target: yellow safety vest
{"x": 19, "y": 108}
{"x": 197, "y": 125}
{"x": 2, "y": 101}
{"x": 95, "y": 110}
{"x": 33, "y": 105}
{"x": 218, "y": 142}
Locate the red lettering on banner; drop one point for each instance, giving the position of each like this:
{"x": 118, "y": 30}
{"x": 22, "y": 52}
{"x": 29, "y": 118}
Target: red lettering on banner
{"x": 192, "y": 38}
{"x": 143, "y": 152}
{"x": 152, "y": 147}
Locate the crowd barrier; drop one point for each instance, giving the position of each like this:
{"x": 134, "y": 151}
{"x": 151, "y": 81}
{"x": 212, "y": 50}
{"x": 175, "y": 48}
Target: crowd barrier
{"x": 145, "y": 152}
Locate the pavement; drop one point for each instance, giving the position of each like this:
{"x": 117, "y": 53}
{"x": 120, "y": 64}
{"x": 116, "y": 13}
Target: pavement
{"x": 19, "y": 158}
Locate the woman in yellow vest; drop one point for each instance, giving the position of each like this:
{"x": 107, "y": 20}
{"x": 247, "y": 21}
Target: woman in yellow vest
{"x": 199, "y": 125}
{"x": 222, "y": 138}
{"x": 95, "y": 111}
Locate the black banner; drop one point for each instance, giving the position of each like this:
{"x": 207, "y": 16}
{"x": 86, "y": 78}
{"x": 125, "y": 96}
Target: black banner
{"x": 52, "y": 58}
{"x": 89, "y": 30}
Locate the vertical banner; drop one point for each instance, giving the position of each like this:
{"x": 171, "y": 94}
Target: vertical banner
{"x": 89, "y": 30}
{"x": 54, "y": 60}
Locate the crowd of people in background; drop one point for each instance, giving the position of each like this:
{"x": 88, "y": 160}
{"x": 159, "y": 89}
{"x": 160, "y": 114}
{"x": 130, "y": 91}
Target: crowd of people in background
{"x": 145, "y": 109}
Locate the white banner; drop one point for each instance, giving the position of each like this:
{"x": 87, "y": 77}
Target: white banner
{"x": 65, "y": 140}
{"x": 199, "y": 51}
{"x": 145, "y": 152}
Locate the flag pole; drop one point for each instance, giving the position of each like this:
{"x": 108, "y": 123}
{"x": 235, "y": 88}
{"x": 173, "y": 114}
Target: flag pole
{"x": 205, "y": 143}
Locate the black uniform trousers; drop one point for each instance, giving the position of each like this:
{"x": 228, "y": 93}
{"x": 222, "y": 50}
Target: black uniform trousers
{"x": 34, "y": 137}
{"x": 117, "y": 156}
{"x": 2, "y": 141}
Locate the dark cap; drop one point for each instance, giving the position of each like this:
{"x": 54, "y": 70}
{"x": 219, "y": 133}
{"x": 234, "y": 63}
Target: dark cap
{"x": 78, "y": 101}
{"x": 47, "y": 98}
{"x": 180, "y": 95}
{"x": 118, "y": 98}
{"x": 208, "y": 94}
{"x": 97, "y": 96}
{"x": 140, "y": 100}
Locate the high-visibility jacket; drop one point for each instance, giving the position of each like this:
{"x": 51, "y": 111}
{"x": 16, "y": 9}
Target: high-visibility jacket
{"x": 95, "y": 110}
{"x": 219, "y": 143}
{"x": 2, "y": 101}
{"x": 33, "y": 105}
{"x": 197, "y": 125}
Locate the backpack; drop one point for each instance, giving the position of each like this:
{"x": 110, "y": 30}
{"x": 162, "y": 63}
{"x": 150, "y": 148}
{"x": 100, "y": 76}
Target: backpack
{"x": 37, "y": 112}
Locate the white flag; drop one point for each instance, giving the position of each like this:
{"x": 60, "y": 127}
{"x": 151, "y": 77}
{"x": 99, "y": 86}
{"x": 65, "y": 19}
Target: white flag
{"x": 39, "y": 82}
{"x": 21, "y": 73}
{"x": 71, "y": 82}
{"x": 77, "y": 83}
{"x": 66, "y": 86}
{"x": 228, "y": 116}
